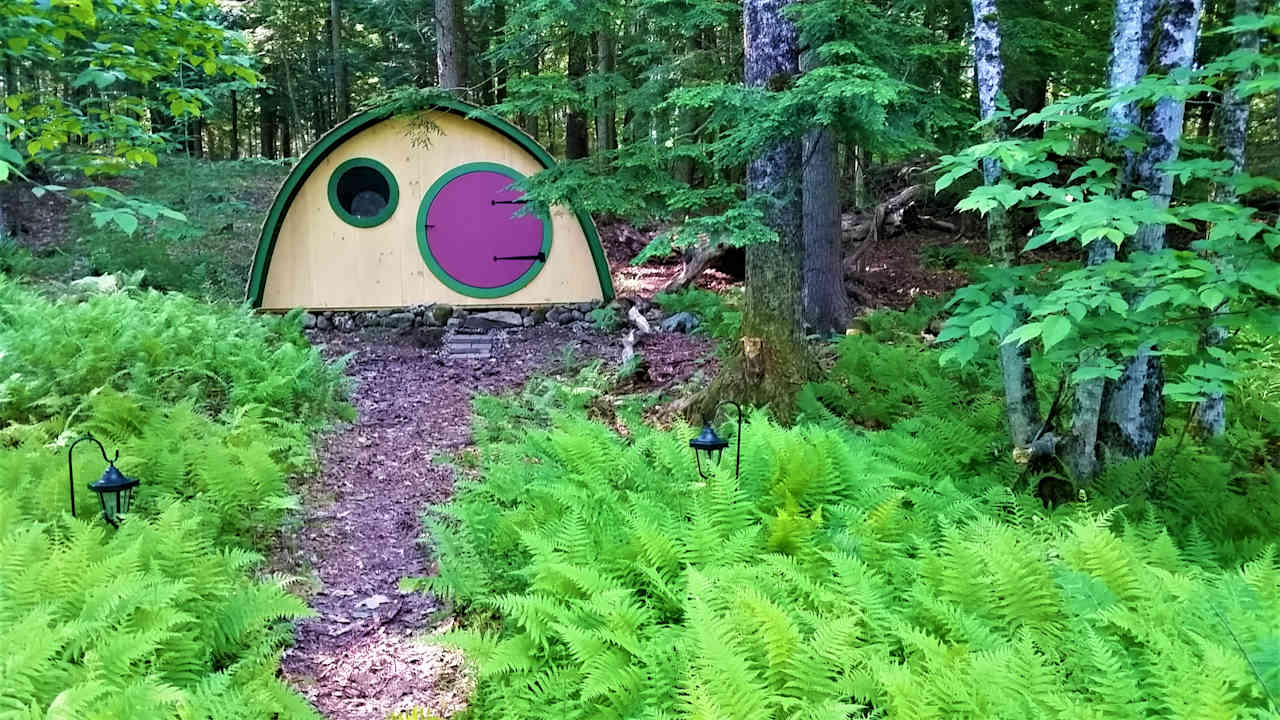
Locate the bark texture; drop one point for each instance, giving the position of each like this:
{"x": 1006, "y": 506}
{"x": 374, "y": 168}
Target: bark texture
{"x": 1132, "y": 412}
{"x": 450, "y": 43}
{"x": 1130, "y": 52}
{"x": 773, "y": 361}
{"x": 1022, "y": 408}
{"x": 826, "y": 304}
{"x": 606, "y": 115}
{"x": 1211, "y": 415}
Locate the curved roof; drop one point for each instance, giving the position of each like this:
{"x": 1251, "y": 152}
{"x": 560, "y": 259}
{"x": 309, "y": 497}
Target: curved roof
{"x": 335, "y": 137}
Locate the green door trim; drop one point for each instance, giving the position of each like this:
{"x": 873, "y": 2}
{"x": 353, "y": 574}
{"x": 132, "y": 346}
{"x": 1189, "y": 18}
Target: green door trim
{"x": 326, "y": 144}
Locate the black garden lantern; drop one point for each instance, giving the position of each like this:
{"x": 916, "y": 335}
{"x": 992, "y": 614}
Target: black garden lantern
{"x": 713, "y": 445}
{"x": 114, "y": 488}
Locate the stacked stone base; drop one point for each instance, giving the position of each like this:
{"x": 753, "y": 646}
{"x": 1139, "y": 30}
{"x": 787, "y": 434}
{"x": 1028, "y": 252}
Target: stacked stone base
{"x": 440, "y": 315}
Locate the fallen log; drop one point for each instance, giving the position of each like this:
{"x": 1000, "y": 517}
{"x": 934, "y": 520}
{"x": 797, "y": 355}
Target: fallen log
{"x": 695, "y": 261}
{"x": 887, "y": 214}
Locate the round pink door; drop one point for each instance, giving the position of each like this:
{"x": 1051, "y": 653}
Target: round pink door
{"x": 469, "y": 237}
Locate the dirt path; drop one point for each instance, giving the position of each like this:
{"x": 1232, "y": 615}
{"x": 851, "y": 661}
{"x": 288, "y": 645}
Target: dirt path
{"x": 357, "y": 658}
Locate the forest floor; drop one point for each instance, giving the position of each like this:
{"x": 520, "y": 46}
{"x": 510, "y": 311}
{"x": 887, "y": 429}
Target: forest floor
{"x": 361, "y": 656}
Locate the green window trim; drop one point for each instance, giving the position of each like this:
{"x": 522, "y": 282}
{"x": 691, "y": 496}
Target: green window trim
{"x": 444, "y": 277}
{"x": 257, "y": 283}
{"x": 393, "y": 193}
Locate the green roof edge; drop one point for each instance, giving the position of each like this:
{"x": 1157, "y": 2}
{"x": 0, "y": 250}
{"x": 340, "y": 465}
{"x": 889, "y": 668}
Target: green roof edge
{"x": 330, "y": 140}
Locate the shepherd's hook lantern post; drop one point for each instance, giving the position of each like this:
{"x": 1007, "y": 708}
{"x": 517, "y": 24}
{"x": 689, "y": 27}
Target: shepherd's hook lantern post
{"x": 114, "y": 488}
{"x": 713, "y": 445}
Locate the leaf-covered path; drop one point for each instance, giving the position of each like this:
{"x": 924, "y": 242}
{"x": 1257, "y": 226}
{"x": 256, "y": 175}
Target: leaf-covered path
{"x": 358, "y": 658}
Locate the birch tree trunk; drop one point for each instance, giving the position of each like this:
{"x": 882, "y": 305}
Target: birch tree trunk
{"x": 1130, "y": 49}
{"x": 1132, "y": 412}
{"x": 774, "y": 361}
{"x": 1211, "y": 415}
{"x": 826, "y": 304}
{"x": 450, "y": 42}
{"x": 1021, "y": 406}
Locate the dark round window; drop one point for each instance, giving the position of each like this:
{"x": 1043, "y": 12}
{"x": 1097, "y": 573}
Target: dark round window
{"x": 363, "y": 192}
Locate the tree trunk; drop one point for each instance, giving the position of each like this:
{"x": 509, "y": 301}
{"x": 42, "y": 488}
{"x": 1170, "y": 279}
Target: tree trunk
{"x": 606, "y": 110}
{"x": 1211, "y": 415}
{"x": 529, "y": 122}
{"x": 1132, "y": 412}
{"x": 499, "y": 66}
{"x": 235, "y": 125}
{"x": 196, "y": 138}
{"x": 861, "y": 198}
{"x": 450, "y": 42}
{"x": 575, "y": 126}
{"x": 286, "y": 132}
{"x": 774, "y": 361}
{"x": 826, "y": 303}
{"x": 342, "y": 96}
{"x": 1022, "y": 409}
{"x": 1130, "y": 41}
{"x": 267, "y": 115}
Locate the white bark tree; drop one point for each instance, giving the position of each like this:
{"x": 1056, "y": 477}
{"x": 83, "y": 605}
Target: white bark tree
{"x": 1132, "y": 412}
{"x": 1233, "y": 124}
{"x": 1021, "y": 405}
{"x": 1130, "y": 50}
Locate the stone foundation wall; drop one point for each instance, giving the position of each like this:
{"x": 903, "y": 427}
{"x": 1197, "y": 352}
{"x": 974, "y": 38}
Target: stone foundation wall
{"x": 441, "y": 315}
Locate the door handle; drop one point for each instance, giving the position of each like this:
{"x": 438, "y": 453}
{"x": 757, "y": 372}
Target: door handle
{"x": 540, "y": 257}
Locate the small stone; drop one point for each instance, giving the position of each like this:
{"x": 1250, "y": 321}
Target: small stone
{"x": 384, "y": 312}
{"x": 529, "y": 321}
{"x": 680, "y": 322}
{"x": 308, "y": 321}
{"x": 344, "y": 322}
{"x": 585, "y": 307}
{"x": 400, "y": 320}
{"x": 373, "y": 602}
{"x": 539, "y": 315}
{"x": 441, "y": 313}
{"x": 453, "y": 322}
{"x": 324, "y": 323}
{"x": 493, "y": 319}
{"x": 577, "y": 314}
{"x": 96, "y": 284}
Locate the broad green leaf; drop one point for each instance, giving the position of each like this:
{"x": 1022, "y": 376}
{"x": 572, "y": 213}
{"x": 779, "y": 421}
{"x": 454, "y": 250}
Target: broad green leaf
{"x": 1055, "y": 330}
{"x": 82, "y": 10}
{"x": 126, "y": 221}
{"x": 1212, "y": 297}
{"x": 1157, "y": 297}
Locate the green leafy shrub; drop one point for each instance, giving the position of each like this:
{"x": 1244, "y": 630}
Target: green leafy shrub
{"x": 605, "y": 319}
{"x": 206, "y": 253}
{"x": 951, "y": 421}
{"x": 163, "y": 346}
{"x": 211, "y": 408}
{"x": 838, "y": 577}
{"x": 719, "y": 315}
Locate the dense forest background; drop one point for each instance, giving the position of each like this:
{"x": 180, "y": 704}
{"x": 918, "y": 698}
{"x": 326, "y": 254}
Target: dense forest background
{"x": 594, "y": 78}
